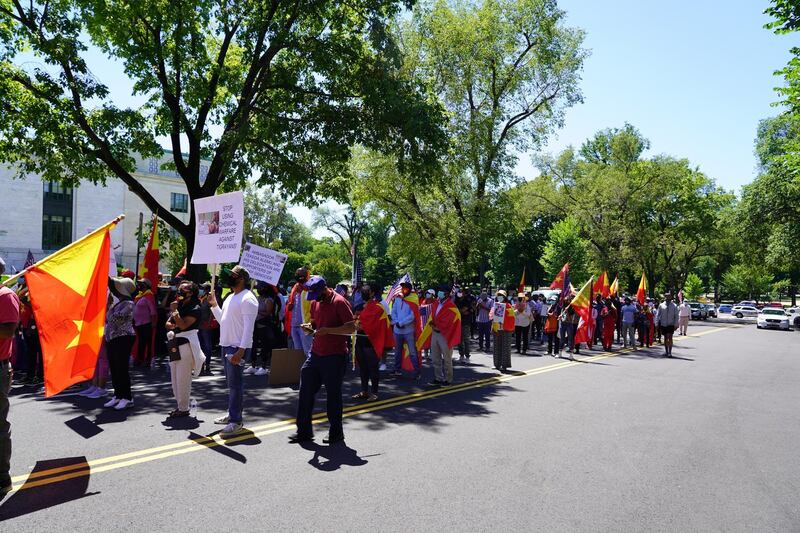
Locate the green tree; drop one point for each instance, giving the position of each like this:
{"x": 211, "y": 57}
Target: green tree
{"x": 693, "y": 288}
{"x": 565, "y": 245}
{"x": 746, "y": 282}
{"x": 333, "y": 269}
{"x": 278, "y": 88}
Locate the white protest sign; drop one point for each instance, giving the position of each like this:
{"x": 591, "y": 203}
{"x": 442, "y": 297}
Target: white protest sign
{"x": 219, "y": 225}
{"x": 499, "y": 312}
{"x": 262, "y": 263}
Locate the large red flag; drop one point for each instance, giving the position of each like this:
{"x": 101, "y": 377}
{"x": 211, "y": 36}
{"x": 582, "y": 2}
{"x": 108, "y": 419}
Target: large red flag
{"x": 149, "y": 268}
{"x": 601, "y": 286}
{"x": 375, "y": 322}
{"x": 447, "y": 319}
{"x": 558, "y": 282}
{"x": 582, "y": 304}
{"x": 68, "y": 297}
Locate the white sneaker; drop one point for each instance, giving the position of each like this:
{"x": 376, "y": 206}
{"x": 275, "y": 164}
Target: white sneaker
{"x": 88, "y": 391}
{"x": 112, "y": 402}
{"x": 382, "y": 368}
{"x": 261, "y": 371}
{"x": 230, "y": 430}
{"x": 124, "y": 404}
{"x": 222, "y": 420}
{"x": 249, "y": 370}
{"x": 98, "y": 393}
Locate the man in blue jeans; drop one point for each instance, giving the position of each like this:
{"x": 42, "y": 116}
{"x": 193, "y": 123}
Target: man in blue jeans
{"x": 628, "y": 318}
{"x": 402, "y": 319}
{"x": 331, "y": 322}
{"x": 237, "y": 320}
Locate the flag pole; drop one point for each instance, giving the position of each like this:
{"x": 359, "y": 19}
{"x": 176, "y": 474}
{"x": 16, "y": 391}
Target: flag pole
{"x": 102, "y": 228}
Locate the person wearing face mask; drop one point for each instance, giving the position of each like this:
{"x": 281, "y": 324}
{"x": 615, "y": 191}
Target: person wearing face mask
{"x": 185, "y": 354}
{"x": 237, "y": 320}
{"x": 465, "y": 303}
{"x": 119, "y": 336}
{"x": 375, "y": 335}
{"x": 446, "y": 325}
{"x": 331, "y": 322}
{"x": 298, "y": 312}
{"x": 484, "y": 308}
{"x": 503, "y": 326}
{"x": 404, "y": 321}
{"x": 207, "y": 326}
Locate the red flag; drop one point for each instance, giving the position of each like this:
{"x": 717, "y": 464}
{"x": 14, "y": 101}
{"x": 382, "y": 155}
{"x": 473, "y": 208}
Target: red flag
{"x": 68, "y": 297}
{"x": 601, "y": 286}
{"x": 582, "y": 304}
{"x": 182, "y": 271}
{"x": 521, "y": 287}
{"x": 641, "y": 293}
{"x": 447, "y": 319}
{"x": 558, "y": 283}
{"x": 149, "y": 267}
{"x": 375, "y": 322}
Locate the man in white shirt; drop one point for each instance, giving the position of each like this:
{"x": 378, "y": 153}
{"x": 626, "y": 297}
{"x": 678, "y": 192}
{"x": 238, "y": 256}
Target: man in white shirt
{"x": 684, "y": 313}
{"x": 666, "y": 321}
{"x": 237, "y": 320}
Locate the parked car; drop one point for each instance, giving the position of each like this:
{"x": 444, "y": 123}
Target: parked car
{"x": 775, "y": 305}
{"x": 699, "y": 311}
{"x": 712, "y": 310}
{"x": 740, "y": 311}
{"x": 724, "y": 308}
{"x": 769, "y": 317}
{"x": 794, "y": 317}
{"x": 749, "y": 303}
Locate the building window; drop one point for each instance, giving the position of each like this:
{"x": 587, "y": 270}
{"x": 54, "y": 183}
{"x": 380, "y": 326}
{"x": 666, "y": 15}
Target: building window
{"x": 56, "y": 231}
{"x": 179, "y": 203}
{"x": 56, "y": 216}
{"x": 152, "y": 165}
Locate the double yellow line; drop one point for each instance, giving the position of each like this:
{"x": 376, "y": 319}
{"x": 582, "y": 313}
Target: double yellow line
{"x": 105, "y": 464}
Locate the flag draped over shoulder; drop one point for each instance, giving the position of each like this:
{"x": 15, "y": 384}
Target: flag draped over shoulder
{"x": 447, "y": 319}
{"x": 68, "y": 296}
{"x": 395, "y": 289}
{"x": 149, "y": 268}
{"x": 641, "y": 293}
{"x": 601, "y": 286}
{"x": 426, "y": 321}
{"x": 582, "y": 304}
{"x": 614, "y": 289}
{"x": 374, "y": 321}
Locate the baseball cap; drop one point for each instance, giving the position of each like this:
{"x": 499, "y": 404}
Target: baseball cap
{"x": 314, "y": 285}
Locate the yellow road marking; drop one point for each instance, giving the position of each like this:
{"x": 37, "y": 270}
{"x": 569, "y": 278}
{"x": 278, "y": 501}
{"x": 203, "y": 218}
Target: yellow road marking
{"x": 192, "y": 445}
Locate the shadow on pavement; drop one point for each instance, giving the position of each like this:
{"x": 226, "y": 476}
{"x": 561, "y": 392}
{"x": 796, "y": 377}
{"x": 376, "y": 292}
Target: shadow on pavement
{"x": 331, "y": 458}
{"x": 34, "y": 495}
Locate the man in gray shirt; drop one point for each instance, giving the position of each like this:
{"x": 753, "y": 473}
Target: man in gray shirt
{"x": 667, "y": 321}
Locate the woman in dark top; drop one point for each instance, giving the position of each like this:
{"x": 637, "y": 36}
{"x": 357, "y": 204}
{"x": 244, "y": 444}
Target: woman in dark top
{"x": 119, "y": 335}
{"x": 184, "y": 316}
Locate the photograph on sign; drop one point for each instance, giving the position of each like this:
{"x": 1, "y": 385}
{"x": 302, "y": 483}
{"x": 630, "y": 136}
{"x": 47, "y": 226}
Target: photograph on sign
{"x": 262, "y": 263}
{"x": 219, "y": 227}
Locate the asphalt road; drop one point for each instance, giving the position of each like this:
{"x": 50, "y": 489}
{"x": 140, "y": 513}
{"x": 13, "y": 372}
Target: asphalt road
{"x": 628, "y": 441}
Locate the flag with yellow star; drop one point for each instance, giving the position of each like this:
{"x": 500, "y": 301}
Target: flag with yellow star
{"x": 68, "y": 296}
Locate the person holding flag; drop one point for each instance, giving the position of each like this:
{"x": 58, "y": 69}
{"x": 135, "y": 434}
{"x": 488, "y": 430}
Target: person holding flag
{"x": 446, "y": 325}
{"x": 372, "y": 321}
{"x": 406, "y": 326}
{"x": 298, "y": 312}
{"x": 503, "y": 326}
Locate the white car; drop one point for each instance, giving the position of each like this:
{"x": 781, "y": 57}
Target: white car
{"x": 771, "y": 317}
{"x": 794, "y": 316}
{"x": 740, "y": 311}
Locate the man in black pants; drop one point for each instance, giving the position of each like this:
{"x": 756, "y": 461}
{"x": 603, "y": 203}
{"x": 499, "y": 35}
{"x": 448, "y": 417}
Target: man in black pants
{"x": 366, "y": 357}
{"x": 331, "y": 322}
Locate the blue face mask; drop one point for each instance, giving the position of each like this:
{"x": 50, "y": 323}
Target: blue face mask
{"x": 440, "y": 295}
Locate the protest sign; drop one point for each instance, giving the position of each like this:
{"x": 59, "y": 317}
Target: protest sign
{"x": 219, "y": 225}
{"x": 499, "y": 312}
{"x": 262, "y": 263}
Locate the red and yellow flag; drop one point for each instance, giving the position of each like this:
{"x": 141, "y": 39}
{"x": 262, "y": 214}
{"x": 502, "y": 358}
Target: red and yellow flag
{"x": 601, "y": 286}
{"x": 614, "y": 289}
{"x": 558, "y": 282}
{"x": 521, "y": 287}
{"x": 413, "y": 302}
{"x": 641, "y": 293}
{"x": 68, "y": 296}
{"x": 375, "y": 322}
{"x": 447, "y": 319}
{"x": 149, "y": 268}
{"x": 582, "y": 304}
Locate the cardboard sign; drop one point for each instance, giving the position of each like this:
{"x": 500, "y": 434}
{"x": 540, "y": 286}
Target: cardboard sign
{"x": 262, "y": 263}
{"x": 285, "y": 366}
{"x": 499, "y": 312}
{"x": 219, "y": 225}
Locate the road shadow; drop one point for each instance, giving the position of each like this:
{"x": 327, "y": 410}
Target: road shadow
{"x": 37, "y": 494}
{"x": 333, "y": 457}
{"x": 214, "y": 446}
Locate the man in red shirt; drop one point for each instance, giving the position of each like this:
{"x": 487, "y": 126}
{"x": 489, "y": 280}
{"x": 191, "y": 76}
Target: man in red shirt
{"x": 9, "y": 318}
{"x": 331, "y": 322}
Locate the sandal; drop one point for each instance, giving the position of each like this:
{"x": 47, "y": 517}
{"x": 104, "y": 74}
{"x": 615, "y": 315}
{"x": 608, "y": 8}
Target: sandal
{"x": 360, "y": 396}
